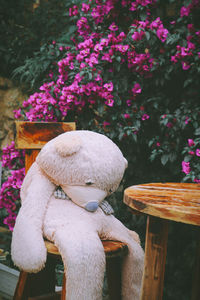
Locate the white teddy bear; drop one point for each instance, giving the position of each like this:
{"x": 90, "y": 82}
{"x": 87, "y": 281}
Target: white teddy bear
{"x": 88, "y": 167}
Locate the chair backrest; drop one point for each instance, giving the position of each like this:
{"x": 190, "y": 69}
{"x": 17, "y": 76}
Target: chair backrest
{"x": 32, "y": 136}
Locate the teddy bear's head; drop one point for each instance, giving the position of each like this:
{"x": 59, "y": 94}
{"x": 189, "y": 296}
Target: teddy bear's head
{"x": 87, "y": 165}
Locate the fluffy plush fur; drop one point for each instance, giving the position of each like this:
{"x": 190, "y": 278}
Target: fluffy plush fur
{"x": 88, "y": 166}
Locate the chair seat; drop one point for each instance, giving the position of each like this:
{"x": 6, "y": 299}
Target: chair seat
{"x": 111, "y": 248}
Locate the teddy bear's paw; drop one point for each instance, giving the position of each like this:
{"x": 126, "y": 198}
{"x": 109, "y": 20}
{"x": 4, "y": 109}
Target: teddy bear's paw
{"x": 28, "y": 249}
{"x": 29, "y": 259}
{"x": 135, "y": 236}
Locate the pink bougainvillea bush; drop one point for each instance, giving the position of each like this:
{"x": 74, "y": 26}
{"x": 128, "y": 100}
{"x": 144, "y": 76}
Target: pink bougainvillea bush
{"x": 12, "y": 160}
{"x": 131, "y": 71}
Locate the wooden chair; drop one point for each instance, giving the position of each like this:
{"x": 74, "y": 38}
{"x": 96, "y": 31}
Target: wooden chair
{"x": 32, "y": 136}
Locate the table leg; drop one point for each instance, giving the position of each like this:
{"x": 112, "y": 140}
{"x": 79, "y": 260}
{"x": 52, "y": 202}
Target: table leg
{"x": 155, "y": 258}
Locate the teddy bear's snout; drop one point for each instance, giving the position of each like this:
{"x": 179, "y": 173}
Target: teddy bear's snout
{"x": 92, "y": 206}
{"x": 88, "y": 197}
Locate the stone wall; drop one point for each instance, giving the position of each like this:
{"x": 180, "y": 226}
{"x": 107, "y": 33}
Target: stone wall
{"x": 11, "y": 97}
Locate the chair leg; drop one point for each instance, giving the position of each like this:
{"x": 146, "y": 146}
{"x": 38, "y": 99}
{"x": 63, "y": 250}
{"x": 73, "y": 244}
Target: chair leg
{"x": 21, "y": 290}
{"x": 35, "y": 284}
{"x": 113, "y": 271}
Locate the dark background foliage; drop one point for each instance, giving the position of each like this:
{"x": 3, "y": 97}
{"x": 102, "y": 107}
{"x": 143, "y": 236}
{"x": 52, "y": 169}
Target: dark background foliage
{"x": 26, "y": 30}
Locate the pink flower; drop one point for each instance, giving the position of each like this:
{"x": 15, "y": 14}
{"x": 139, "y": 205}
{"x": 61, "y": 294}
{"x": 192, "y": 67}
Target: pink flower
{"x": 174, "y": 58}
{"x": 133, "y": 6}
{"x": 191, "y": 142}
{"x": 136, "y": 89}
{"x": 197, "y": 180}
{"x": 190, "y": 27}
{"x": 127, "y": 116}
{"x": 85, "y": 7}
{"x": 198, "y": 152}
{"x": 191, "y": 152}
{"x": 106, "y": 57}
{"x": 17, "y": 113}
{"x": 185, "y": 11}
{"x": 98, "y": 78}
{"x": 184, "y": 51}
{"x": 9, "y": 157}
{"x": 128, "y": 102}
{"x": 109, "y": 86}
{"x": 122, "y": 48}
{"x": 185, "y": 65}
{"x": 197, "y": 33}
{"x": 187, "y": 120}
{"x": 145, "y": 117}
{"x": 162, "y": 33}
{"x": 73, "y": 11}
{"x": 113, "y": 27}
{"x": 10, "y": 220}
{"x": 169, "y": 125}
{"x": 155, "y": 24}
{"x": 105, "y": 124}
{"x": 98, "y": 47}
{"x": 137, "y": 36}
{"x": 186, "y": 167}
{"x": 109, "y": 102}
{"x": 191, "y": 46}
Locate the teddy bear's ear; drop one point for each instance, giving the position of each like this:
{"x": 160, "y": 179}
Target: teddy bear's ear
{"x": 67, "y": 145}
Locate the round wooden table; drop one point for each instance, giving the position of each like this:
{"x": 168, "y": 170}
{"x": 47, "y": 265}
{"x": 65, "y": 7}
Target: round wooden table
{"x": 163, "y": 202}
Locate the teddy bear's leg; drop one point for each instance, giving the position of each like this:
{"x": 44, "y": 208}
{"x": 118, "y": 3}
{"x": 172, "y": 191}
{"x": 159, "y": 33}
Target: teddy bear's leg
{"x": 132, "y": 267}
{"x": 84, "y": 260}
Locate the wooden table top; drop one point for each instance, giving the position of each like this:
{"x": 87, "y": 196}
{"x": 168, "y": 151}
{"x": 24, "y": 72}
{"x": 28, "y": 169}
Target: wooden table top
{"x": 173, "y": 201}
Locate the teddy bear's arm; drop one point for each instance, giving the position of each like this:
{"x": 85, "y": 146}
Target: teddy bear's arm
{"x": 28, "y": 248}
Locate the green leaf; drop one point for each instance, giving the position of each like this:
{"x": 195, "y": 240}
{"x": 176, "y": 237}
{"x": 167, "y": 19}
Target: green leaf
{"x": 82, "y": 73}
{"x": 147, "y": 35}
{"x": 118, "y": 67}
{"x": 172, "y": 156}
{"x": 90, "y": 76}
{"x": 151, "y": 142}
{"x": 164, "y": 159}
{"x": 143, "y": 15}
{"x": 187, "y": 82}
{"x": 118, "y": 58}
{"x": 187, "y": 158}
{"x": 197, "y": 131}
{"x": 187, "y": 2}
